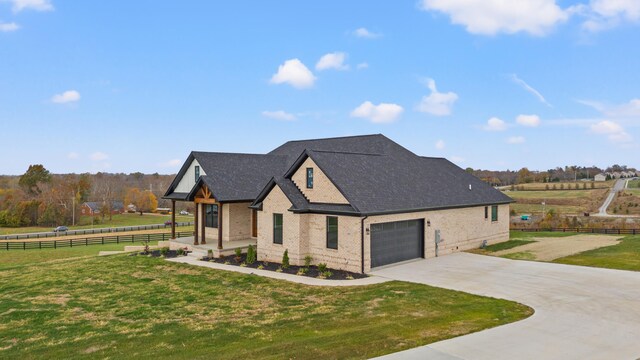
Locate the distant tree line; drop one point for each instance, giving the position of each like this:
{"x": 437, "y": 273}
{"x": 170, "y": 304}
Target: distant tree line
{"x": 40, "y": 198}
{"x": 558, "y": 174}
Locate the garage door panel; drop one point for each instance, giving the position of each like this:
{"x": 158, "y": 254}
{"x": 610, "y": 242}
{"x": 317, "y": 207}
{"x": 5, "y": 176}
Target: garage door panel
{"x": 396, "y": 241}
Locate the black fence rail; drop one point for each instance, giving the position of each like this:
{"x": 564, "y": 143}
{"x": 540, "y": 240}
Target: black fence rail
{"x": 583, "y": 230}
{"x": 91, "y": 231}
{"x": 98, "y": 240}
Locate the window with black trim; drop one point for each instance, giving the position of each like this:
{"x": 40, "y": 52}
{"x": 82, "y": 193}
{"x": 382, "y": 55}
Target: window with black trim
{"x": 486, "y": 212}
{"x": 277, "y": 228}
{"x": 309, "y": 178}
{"x": 197, "y": 172}
{"x": 332, "y": 232}
{"x": 211, "y": 215}
{"x": 494, "y": 213}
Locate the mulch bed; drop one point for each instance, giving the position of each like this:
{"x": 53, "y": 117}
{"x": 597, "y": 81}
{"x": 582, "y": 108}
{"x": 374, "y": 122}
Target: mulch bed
{"x": 158, "y": 253}
{"x": 292, "y": 269}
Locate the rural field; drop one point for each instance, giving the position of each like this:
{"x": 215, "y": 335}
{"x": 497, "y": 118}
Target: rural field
{"x": 117, "y": 221}
{"x": 561, "y": 201}
{"x": 606, "y": 251}
{"x": 73, "y": 304}
{"x": 626, "y": 202}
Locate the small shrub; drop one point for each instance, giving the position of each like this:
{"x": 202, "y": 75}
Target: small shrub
{"x": 322, "y": 267}
{"x": 251, "y": 255}
{"x": 238, "y": 254}
{"x": 210, "y": 254}
{"x": 180, "y": 251}
{"x": 349, "y": 277}
{"x": 307, "y": 261}
{"x": 285, "y": 259}
{"x": 260, "y": 267}
{"x": 546, "y": 187}
{"x": 302, "y": 271}
{"x": 554, "y": 187}
{"x": 279, "y": 269}
{"x": 145, "y": 243}
{"x": 244, "y": 264}
{"x": 584, "y": 186}
{"x": 561, "y": 186}
{"x": 327, "y": 274}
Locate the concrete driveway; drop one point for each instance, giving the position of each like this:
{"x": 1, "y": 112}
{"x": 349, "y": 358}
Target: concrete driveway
{"x": 580, "y": 312}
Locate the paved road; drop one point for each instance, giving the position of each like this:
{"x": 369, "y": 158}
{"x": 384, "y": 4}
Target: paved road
{"x": 619, "y": 185}
{"x": 580, "y": 312}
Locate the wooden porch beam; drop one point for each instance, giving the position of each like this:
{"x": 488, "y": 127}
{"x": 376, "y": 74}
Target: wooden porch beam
{"x": 173, "y": 219}
{"x": 195, "y": 225}
{"x": 220, "y": 226}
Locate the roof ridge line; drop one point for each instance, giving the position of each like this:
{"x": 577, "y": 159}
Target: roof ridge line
{"x": 347, "y": 152}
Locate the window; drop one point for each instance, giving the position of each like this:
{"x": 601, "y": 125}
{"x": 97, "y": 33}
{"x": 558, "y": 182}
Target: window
{"x": 197, "y": 172}
{"x": 309, "y": 178}
{"x": 332, "y": 232}
{"x": 211, "y": 216}
{"x": 277, "y": 228}
{"x": 486, "y": 212}
{"x": 494, "y": 213}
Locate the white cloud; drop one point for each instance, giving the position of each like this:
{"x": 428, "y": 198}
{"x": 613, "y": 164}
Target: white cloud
{"x": 515, "y": 140}
{"x": 440, "y": 144}
{"x": 528, "y": 120}
{"x": 362, "y": 65}
{"x": 66, "y": 97}
{"x": 279, "y": 115}
{"x": 333, "y": 60}
{"x": 98, "y": 156}
{"x": 73, "y": 155}
{"x": 630, "y": 109}
{"x": 437, "y": 103}
{"x": 495, "y": 124}
{"x": 614, "y": 131}
{"x": 530, "y": 89}
{"x": 37, "y": 5}
{"x": 366, "y": 34}
{"x": 171, "y": 163}
{"x": 490, "y": 17}
{"x": 381, "y": 113}
{"x": 605, "y": 14}
{"x": 294, "y": 73}
{"x": 8, "y": 27}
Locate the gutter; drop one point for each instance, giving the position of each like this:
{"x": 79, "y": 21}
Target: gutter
{"x": 362, "y": 243}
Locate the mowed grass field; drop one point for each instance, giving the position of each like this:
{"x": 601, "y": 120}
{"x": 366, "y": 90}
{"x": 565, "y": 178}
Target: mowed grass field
{"x": 117, "y": 221}
{"x": 562, "y": 201}
{"x": 124, "y": 307}
{"x": 624, "y": 256}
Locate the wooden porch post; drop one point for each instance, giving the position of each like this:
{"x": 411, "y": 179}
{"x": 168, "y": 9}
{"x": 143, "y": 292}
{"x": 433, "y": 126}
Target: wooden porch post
{"x": 173, "y": 219}
{"x": 203, "y": 239}
{"x": 220, "y": 226}
{"x": 195, "y": 225}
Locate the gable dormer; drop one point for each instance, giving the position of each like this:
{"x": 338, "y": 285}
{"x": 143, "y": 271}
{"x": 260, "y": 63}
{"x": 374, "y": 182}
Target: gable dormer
{"x": 315, "y": 185}
{"x": 190, "y": 177}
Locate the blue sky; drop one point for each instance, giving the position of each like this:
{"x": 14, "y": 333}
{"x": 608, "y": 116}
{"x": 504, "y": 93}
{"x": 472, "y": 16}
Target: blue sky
{"x": 126, "y": 86}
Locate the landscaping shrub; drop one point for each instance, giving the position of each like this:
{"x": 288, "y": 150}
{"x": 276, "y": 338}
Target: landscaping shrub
{"x": 164, "y": 251}
{"x": 238, "y": 252}
{"x": 251, "y": 255}
{"x": 180, "y": 251}
{"x": 322, "y": 267}
{"x": 210, "y": 254}
{"x": 285, "y": 259}
{"x": 307, "y": 261}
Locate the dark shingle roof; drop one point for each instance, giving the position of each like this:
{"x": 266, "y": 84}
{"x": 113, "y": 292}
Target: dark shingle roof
{"x": 375, "y": 174}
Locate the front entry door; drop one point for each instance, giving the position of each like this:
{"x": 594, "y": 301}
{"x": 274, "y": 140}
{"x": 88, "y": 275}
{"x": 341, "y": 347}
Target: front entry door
{"x": 254, "y": 223}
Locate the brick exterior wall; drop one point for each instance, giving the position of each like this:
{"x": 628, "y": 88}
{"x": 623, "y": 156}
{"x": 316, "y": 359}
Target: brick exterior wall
{"x": 236, "y": 222}
{"x": 305, "y": 234}
{"x": 324, "y": 191}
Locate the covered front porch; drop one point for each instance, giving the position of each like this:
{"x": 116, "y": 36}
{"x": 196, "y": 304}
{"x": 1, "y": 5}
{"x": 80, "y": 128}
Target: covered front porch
{"x": 219, "y": 226}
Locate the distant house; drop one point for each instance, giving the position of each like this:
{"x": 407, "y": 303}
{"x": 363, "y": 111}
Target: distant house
{"x": 616, "y": 175}
{"x": 92, "y": 208}
{"x": 600, "y": 177}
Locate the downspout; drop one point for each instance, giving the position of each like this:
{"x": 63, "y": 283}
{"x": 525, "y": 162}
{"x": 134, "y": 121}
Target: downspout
{"x": 362, "y": 243}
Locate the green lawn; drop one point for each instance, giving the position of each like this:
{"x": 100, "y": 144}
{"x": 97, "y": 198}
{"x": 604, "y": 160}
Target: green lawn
{"x": 507, "y": 245}
{"x": 624, "y": 256}
{"x": 534, "y": 234}
{"x": 13, "y": 258}
{"x": 138, "y": 307}
{"x": 117, "y": 221}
